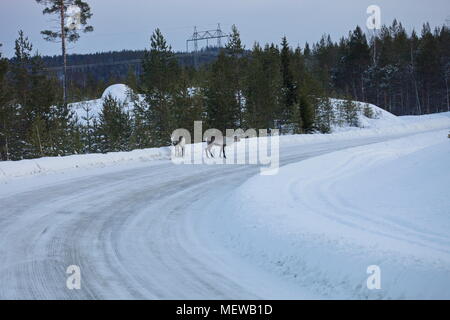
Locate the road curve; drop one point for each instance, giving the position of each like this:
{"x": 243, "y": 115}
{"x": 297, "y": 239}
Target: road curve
{"x": 133, "y": 233}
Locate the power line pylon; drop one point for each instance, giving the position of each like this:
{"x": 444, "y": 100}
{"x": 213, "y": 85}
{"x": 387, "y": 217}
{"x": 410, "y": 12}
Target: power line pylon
{"x": 207, "y": 35}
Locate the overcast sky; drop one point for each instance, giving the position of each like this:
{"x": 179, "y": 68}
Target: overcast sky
{"x": 127, "y": 24}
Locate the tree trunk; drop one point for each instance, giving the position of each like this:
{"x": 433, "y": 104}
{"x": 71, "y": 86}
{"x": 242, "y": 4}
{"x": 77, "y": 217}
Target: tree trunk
{"x": 6, "y": 142}
{"x": 39, "y": 141}
{"x": 448, "y": 98}
{"x": 419, "y": 109}
{"x": 64, "y": 54}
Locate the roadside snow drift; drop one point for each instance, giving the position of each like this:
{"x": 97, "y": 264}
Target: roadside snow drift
{"x": 323, "y": 221}
{"x": 15, "y": 169}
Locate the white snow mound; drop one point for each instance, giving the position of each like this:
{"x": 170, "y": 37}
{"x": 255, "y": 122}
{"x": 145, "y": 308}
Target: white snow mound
{"x": 92, "y": 108}
{"x": 117, "y": 91}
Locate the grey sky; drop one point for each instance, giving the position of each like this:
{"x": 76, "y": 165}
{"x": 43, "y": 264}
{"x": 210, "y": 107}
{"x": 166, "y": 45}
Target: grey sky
{"x": 127, "y": 24}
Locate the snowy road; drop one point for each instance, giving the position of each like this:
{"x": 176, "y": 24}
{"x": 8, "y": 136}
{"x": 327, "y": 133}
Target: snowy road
{"x": 133, "y": 231}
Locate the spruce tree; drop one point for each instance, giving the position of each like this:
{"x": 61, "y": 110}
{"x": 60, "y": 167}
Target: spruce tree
{"x": 6, "y": 111}
{"x": 352, "y": 111}
{"x": 290, "y": 108}
{"x": 159, "y": 83}
{"x": 306, "y": 112}
{"x": 325, "y": 116}
{"x": 114, "y": 126}
{"x": 222, "y": 106}
{"x": 87, "y": 130}
{"x": 235, "y": 50}
{"x": 20, "y": 69}
{"x": 263, "y": 82}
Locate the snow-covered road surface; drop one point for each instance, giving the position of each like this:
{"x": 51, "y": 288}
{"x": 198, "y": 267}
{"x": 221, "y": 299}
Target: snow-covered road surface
{"x": 134, "y": 230}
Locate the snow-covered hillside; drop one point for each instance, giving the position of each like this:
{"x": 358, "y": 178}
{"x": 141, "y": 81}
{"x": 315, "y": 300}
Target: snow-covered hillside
{"x": 323, "y": 221}
{"x": 380, "y": 118}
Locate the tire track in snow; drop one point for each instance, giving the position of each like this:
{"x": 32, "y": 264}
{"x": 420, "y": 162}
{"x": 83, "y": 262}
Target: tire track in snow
{"x": 130, "y": 232}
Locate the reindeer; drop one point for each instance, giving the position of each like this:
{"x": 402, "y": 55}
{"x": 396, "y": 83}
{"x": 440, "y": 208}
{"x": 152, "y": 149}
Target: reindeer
{"x": 221, "y": 142}
{"x": 179, "y": 146}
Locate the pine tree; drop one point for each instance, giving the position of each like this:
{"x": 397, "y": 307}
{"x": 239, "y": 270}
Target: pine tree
{"x": 66, "y": 32}
{"x": 131, "y": 80}
{"x": 234, "y": 45}
{"x": 308, "y": 88}
{"x": 159, "y": 83}
{"x": 428, "y": 66}
{"x": 350, "y": 111}
{"x": 290, "y": 109}
{"x": 141, "y": 133}
{"x": 188, "y": 105}
{"x": 235, "y": 50}
{"x": 20, "y": 69}
{"x": 221, "y": 104}
{"x": 114, "y": 126}
{"x": 87, "y": 130}
{"x": 64, "y": 133}
{"x": 354, "y": 61}
{"x": 263, "y": 82}
{"x": 325, "y": 57}
{"x": 306, "y": 112}
{"x": 6, "y": 112}
{"x": 368, "y": 112}
{"x": 20, "y": 82}
{"x": 444, "y": 53}
{"x": 325, "y": 116}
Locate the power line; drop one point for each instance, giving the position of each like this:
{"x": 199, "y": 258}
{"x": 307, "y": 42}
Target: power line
{"x": 206, "y": 35}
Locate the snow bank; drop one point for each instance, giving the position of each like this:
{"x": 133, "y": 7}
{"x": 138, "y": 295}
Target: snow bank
{"x": 323, "y": 221}
{"x": 10, "y": 169}
{"x": 386, "y": 127}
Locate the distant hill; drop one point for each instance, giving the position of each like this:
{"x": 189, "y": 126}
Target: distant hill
{"x": 105, "y": 66}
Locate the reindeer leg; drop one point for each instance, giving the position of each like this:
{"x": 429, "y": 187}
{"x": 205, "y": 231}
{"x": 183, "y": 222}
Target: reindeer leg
{"x": 208, "y": 149}
{"x": 223, "y": 150}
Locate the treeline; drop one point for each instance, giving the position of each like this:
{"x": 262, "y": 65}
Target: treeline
{"x": 270, "y": 86}
{"x": 90, "y": 74}
{"x": 33, "y": 120}
{"x": 400, "y": 72}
